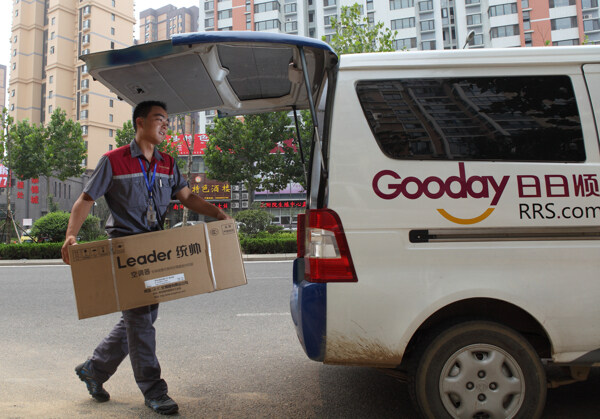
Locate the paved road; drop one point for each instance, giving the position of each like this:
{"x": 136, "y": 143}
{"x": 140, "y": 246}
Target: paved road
{"x": 230, "y": 354}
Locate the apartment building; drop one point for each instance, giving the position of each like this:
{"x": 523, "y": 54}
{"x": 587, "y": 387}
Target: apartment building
{"x": 162, "y": 23}
{"x": 45, "y": 71}
{"x": 2, "y": 85}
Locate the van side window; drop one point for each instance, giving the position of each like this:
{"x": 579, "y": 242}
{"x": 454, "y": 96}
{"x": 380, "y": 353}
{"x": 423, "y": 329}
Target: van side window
{"x": 485, "y": 118}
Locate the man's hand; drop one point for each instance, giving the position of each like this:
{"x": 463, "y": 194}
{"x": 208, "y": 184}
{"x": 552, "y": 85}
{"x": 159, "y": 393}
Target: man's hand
{"x": 69, "y": 241}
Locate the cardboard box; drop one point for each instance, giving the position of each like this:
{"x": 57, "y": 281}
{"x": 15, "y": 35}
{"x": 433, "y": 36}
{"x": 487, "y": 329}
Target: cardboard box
{"x": 134, "y": 271}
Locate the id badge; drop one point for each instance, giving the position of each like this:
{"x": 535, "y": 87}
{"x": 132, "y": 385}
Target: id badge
{"x": 151, "y": 214}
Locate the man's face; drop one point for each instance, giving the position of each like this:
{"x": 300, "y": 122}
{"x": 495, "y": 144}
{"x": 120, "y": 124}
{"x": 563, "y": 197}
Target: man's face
{"x": 154, "y": 126}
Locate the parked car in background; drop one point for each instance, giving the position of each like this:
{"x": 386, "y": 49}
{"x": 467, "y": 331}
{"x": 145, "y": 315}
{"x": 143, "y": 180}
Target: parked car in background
{"x": 189, "y": 223}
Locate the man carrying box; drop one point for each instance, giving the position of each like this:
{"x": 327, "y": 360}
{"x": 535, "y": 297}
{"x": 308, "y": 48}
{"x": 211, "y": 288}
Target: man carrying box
{"x": 138, "y": 183}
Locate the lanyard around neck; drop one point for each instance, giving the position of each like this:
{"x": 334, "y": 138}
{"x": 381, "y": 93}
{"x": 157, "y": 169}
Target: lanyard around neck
{"x": 149, "y": 184}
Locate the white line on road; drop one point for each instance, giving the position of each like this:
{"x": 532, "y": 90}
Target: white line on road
{"x": 261, "y": 314}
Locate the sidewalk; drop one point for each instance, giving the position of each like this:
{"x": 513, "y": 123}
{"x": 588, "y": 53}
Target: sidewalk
{"x": 247, "y": 258}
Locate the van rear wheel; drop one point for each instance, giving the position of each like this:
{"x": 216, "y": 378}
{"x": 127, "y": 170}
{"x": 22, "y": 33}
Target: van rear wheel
{"x": 479, "y": 370}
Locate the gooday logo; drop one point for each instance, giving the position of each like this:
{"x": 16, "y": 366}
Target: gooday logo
{"x": 388, "y": 184}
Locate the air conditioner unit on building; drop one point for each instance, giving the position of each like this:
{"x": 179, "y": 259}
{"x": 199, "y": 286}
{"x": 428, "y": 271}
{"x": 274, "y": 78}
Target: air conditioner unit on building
{"x": 288, "y": 19}
{"x": 587, "y": 16}
{"x": 245, "y": 204}
{"x": 235, "y": 205}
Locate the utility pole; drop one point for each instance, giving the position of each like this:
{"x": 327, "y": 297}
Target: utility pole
{"x": 190, "y": 146}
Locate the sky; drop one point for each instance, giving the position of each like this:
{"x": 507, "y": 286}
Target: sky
{"x": 6, "y": 21}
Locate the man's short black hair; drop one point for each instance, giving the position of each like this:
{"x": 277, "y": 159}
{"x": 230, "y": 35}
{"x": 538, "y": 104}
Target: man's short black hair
{"x": 143, "y": 109}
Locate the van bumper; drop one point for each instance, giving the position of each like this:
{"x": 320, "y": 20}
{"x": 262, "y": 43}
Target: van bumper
{"x": 308, "y": 305}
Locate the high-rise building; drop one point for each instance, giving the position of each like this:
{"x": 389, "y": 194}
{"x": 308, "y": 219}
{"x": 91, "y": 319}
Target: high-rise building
{"x": 160, "y": 24}
{"x": 2, "y": 86}
{"x": 46, "y": 41}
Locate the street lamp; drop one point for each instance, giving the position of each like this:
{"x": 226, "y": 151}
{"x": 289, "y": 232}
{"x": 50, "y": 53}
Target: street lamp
{"x": 470, "y": 36}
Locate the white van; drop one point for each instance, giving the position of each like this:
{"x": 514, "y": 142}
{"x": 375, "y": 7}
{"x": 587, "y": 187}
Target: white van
{"x": 452, "y": 229}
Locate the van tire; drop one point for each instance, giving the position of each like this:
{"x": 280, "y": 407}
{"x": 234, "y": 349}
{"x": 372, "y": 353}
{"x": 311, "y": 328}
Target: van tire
{"x": 457, "y": 370}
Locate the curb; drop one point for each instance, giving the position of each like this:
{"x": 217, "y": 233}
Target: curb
{"x": 246, "y": 258}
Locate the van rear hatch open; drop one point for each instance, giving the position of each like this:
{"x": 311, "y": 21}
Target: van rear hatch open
{"x": 235, "y": 73}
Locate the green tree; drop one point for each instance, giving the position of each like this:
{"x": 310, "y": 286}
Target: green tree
{"x": 253, "y": 221}
{"x": 241, "y": 152}
{"x": 125, "y": 135}
{"x": 56, "y": 150}
{"x": 354, "y": 33}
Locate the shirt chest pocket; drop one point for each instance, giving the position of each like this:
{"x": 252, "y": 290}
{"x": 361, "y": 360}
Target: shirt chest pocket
{"x": 163, "y": 190}
{"x": 131, "y": 190}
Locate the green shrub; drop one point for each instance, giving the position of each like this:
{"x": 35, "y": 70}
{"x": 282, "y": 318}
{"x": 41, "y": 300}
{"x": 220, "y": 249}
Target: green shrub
{"x": 30, "y": 251}
{"x": 253, "y": 221}
{"x": 53, "y": 227}
{"x": 268, "y": 244}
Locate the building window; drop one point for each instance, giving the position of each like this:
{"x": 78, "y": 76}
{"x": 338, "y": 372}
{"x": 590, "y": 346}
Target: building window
{"x": 408, "y": 22}
{"x": 327, "y": 19}
{"x": 17, "y": 12}
{"x": 14, "y": 66}
{"x": 291, "y": 8}
{"x": 563, "y": 23}
{"x": 84, "y": 129}
{"x": 111, "y": 103}
{"x": 15, "y": 40}
{"x": 112, "y": 45}
{"x": 504, "y": 31}
{"x": 84, "y": 69}
{"x": 110, "y": 117}
{"x": 50, "y": 109}
{"x": 566, "y": 42}
{"x": 561, "y": 3}
{"x": 110, "y": 133}
{"x": 12, "y": 93}
{"x": 85, "y": 99}
{"x": 113, "y": 3}
{"x": 225, "y": 14}
{"x": 524, "y": 4}
{"x": 110, "y": 146}
{"x": 428, "y": 25}
{"x": 408, "y": 43}
{"x": 52, "y": 35}
{"x": 209, "y": 5}
{"x": 112, "y": 17}
{"x": 267, "y": 24}
{"x": 427, "y": 45}
{"x": 291, "y": 26}
{"x": 85, "y": 84}
{"x": 83, "y": 114}
{"x": 266, "y": 7}
{"x": 85, "y": 39}
{"x": 14, "y": 52}
{"x": 401, "y": 4}
{"x": 370, "y": 5}
{"x": 210, "y": 22}
{"x": 425, "y": 6}
{"x": 53, "y": 21}
{"x": 589, "y": 4}
{"x": 502, "y": 9}
{"x": 50, "y": 79}
{"x": 112, "y": 31}
{"x": 52, "y": 50}
{"x": 50, "y": 94}
{"x": 474, "y": 19}
{"x": 12, "y": 106}
{"x": 591, "y": 25}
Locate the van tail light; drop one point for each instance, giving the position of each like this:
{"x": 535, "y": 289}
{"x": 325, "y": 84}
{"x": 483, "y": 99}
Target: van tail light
{"x": 326, "y": 248}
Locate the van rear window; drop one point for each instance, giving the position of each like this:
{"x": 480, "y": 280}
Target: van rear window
{"x": 483, "y": 118}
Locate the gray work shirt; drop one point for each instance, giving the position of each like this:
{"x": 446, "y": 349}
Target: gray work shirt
{"x": 119, "y": 177}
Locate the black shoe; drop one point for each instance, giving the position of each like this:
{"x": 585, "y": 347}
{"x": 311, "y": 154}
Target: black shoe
{"x": 163, "y": 405}
{"x": 93, "y": 386}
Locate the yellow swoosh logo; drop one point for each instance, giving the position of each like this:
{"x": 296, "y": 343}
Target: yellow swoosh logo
{"x": 466, "y": 221}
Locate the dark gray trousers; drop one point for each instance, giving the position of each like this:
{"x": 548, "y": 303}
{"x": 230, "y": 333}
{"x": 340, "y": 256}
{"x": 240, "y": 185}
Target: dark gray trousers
{"x": 133, "y": 335}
